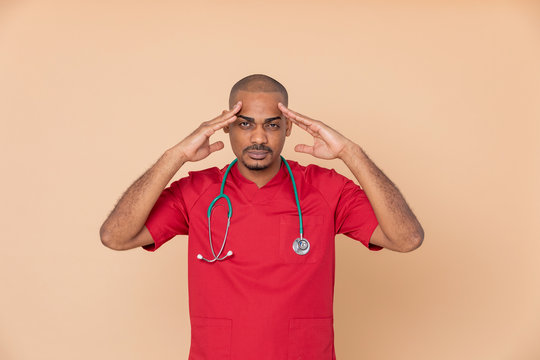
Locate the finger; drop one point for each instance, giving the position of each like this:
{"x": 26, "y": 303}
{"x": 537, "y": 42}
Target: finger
{"x": 302, "y": 148}
{"x": 208, "y": 129}
{"x": 305, "y": 127}
{"x": 227, "y": 117}
{"x": 296, "y": 121}
{"x": 236, "y": 107}
{"x": 303, "y": 119}
{"x": 283, "y": 108}
{"x": 227, "y": 114}
{"x": 295, "y": 115}
{"x": 313, "y": 126}
{"x": 286, "y": 111}
{"x": 304, "y": 122}
{"x": 299, "y": 124}
{"x": 223, "y": 123}
{"x": 218, "y": 145}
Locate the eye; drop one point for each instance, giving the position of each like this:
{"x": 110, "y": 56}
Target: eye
{"x": 244, "y": 124}
{"x": 273, "y": 125}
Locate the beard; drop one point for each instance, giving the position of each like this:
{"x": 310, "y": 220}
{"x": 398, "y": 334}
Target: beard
{"x": 257, "y": 166}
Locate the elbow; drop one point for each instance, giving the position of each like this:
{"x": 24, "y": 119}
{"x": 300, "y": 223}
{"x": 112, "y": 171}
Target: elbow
{"x": 107, "y": 239}
{"x": 413, "y": 241}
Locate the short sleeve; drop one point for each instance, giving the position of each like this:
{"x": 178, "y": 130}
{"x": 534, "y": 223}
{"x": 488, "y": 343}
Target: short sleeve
{"x": 355, "y": 216}
{"x": 169, "y": 216}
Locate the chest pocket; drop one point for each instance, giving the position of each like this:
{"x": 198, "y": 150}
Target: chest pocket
{"x": 289, "y": 230}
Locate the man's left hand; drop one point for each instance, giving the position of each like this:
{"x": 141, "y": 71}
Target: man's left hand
{"x": 327, "y": 143}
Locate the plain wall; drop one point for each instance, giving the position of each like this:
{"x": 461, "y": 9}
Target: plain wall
{"x": 443, "y": 96}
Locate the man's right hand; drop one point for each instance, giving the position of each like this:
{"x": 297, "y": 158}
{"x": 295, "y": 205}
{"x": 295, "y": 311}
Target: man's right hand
{"x": 196, "y": 146}
{"x": 124, "y": 228}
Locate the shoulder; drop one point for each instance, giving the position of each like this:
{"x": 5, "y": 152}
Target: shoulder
{"x": 206, "y": 176}
{"x": 315, "y": 179}
{"x": 318, "y": 175}
{"x": 196, "y": 182}
{"x": 326, "y": 184}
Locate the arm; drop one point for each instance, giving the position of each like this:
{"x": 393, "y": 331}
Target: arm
{"x": 124, "y": 228}
{"x": 398, "y": 228}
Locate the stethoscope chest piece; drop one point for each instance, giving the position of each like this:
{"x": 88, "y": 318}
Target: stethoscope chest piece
{"x": 301, "y": 246}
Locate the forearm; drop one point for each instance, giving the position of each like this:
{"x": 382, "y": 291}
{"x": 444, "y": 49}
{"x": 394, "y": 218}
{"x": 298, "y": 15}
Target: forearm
{"x": 396, "y": 219}
{"x": 130, "y": 213}
{"x": 400, "y": 228}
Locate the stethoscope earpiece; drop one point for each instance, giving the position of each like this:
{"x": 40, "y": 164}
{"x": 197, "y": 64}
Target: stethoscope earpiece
{"x": 229, "y": 253}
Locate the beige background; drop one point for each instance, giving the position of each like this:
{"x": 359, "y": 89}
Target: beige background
{"x": 444, "y": 96}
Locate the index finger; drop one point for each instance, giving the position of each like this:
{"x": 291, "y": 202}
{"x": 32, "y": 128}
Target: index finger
{"x": 227, "y": 115}
{"x": 293, "y": 115}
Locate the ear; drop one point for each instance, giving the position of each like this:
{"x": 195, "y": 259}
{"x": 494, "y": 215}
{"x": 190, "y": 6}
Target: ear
{"x": 289, "y": 126}
{"x": 226, "y": 129}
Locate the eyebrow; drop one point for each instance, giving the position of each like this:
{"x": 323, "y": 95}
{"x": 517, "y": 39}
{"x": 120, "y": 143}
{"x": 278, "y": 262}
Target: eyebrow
{"x": 250, "y": 119}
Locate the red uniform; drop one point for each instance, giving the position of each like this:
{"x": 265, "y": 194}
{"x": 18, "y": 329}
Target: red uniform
{"x": 265, "y": 301}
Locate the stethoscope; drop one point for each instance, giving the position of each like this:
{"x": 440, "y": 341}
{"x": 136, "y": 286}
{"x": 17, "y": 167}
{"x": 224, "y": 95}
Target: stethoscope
{"x": 300, "y": 245}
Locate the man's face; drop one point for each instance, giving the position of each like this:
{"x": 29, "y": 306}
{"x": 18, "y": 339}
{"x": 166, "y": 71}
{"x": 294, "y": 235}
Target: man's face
{"x": 258, "y": 134}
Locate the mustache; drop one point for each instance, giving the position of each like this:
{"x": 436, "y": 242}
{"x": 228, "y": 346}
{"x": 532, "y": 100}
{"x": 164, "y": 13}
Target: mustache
{"x": 258, "y": 148}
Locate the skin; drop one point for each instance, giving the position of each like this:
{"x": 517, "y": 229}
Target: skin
{"x": 124, "y": 228}
{"x": 254, "y": 134}
{"x": 257, "y": 142}
{"x": 398, "y": 228}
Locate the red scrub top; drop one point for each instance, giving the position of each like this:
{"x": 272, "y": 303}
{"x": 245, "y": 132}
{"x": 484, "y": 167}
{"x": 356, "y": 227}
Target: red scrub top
{"x": 265, "y": 301}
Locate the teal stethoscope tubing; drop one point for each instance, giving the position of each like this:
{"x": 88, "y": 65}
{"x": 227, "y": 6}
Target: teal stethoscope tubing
{"x": 229, "y": 215}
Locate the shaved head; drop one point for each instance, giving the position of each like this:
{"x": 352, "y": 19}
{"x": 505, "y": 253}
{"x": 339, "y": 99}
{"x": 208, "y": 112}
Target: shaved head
{"x": 258, "y": 83}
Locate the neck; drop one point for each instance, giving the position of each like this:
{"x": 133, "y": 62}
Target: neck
{"x": 259, "y": 177}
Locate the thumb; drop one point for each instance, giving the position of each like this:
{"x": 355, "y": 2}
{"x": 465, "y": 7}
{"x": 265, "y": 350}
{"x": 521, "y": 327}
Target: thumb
{"x": 218, "y": 145}
{"x": 302, "y": 148}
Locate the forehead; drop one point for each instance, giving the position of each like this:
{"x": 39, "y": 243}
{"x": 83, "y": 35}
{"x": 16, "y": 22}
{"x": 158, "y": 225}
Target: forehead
{"x": 259, "y": 102}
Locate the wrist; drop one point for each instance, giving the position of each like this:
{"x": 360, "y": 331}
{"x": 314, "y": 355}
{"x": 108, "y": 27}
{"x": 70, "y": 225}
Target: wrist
{"x": 176, "y": 156}
{"x": 350, "y": 150}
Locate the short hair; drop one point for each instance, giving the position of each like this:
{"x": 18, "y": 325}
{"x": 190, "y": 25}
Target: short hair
{"x": 258, "y": 83}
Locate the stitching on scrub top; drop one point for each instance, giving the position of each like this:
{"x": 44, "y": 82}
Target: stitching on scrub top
{"x": 208, "y": 188}
{"x": 305, "y": 179}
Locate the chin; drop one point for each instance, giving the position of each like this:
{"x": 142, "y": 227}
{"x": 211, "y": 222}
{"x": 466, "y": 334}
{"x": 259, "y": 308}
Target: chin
{"x": 257, "y": 165}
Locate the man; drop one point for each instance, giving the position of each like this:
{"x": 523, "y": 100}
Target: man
{"x": 261, "y": 282}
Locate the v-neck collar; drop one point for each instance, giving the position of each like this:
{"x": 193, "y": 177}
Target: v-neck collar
{"x": 251, "y": 191}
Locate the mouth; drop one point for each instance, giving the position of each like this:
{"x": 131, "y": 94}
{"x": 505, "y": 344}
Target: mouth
{"x": 257, "y": 155}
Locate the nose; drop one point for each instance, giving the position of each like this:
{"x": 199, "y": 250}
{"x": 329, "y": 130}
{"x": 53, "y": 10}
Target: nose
{"x": 258, "y": 135}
